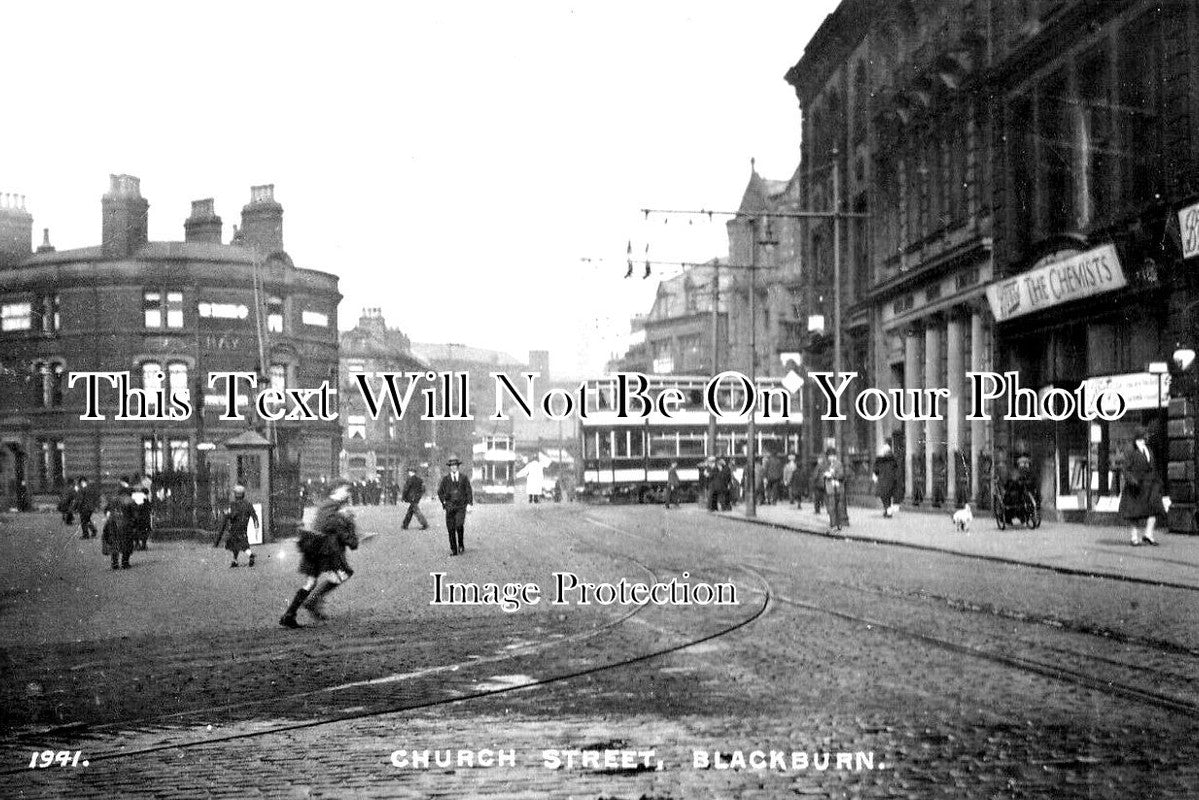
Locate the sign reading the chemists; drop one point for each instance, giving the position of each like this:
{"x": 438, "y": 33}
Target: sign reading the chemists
{"x": 1082, "y": 275}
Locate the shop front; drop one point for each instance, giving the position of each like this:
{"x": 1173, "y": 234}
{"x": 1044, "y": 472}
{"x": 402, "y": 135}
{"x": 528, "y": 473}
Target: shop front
{"x": 1075, "y": 322}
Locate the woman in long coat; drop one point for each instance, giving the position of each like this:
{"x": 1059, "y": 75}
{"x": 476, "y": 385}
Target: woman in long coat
{"x": 1141, "y": 500}
{"x": 885, "y": 476}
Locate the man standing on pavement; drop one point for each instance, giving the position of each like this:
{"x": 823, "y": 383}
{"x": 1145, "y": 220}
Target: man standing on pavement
{"x": 236, "y": 523}
{"x": 66, "y": 503}
{"x": 834, "y": 489}
{"x": 86, "y": 503}
{"x": 774, "y": 478}
{"x": 672, "y": 484}
{"x": 788, "y": 476}
{"x": 455, "y": 495}
{"x": 324, "y": 552}
{"x": 414, "y": 490}
{"x": 885, "y": 479}
{"x": 119, "y": 535}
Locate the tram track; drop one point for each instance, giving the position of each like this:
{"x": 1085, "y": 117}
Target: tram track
{"x": 383, "y": 706}
{"x": 1007, "y": 658}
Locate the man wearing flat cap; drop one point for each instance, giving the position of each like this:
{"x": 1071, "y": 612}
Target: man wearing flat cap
{"x": 455, "y": 495}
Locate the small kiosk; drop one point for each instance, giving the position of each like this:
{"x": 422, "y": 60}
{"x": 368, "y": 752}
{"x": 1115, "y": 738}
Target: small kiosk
{"x": 249, "y": 460}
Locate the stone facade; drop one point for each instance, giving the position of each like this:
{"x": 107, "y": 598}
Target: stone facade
{"x": 182, "y": 309}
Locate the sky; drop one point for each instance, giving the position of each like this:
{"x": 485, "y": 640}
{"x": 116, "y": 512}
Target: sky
{"x": 474, "y": 169}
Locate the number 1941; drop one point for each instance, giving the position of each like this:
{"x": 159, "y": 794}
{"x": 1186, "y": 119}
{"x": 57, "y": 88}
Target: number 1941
{"x": 50, "y": 758}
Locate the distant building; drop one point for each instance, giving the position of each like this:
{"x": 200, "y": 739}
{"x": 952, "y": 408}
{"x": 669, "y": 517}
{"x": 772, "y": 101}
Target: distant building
{"x": 383, "y": 447}
{"x": 166, "y": 313}
{"x": 676, "y": 335}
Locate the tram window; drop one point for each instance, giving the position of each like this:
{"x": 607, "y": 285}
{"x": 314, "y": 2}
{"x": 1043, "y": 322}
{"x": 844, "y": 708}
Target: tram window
{"x": 664, "y": 444}
{"x": 637, "y": 443}
{"x": 691, "y": 444}
{"x": 621, "y": 447}
{"x": 605, "y": 444}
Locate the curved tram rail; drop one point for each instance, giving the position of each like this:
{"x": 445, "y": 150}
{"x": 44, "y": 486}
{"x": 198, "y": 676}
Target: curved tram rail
{"x": 382, "y": 706}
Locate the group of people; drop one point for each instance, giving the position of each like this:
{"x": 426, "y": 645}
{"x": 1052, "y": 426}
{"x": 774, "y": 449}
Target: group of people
{"x": 127, "y": 516}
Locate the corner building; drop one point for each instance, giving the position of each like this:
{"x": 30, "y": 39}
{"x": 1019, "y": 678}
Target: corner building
{"x": 1096, "y": 148}
{"x": 896, "y": 126}
{"x": 179, "y": 309}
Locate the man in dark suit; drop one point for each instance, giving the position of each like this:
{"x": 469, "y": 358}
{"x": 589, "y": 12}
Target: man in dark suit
{"x": 86, "y": 503}
{"x": 414, "y": 490}
{"x": 455, "y": 495}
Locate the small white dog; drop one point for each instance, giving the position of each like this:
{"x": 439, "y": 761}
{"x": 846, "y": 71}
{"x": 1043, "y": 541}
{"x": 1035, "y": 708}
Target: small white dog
{"x": 962, "y": 518}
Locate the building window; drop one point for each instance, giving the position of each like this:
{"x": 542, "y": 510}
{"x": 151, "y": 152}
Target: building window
{"x": 174, "y": 309}
{"x": 51, "y": 313}
{"x": 356, "y": 426}
{"x": 223, "y": 310}
{"x": 180, "y": 454}
{"x": 52, "y": 464}
{"x": 16, "y": 316}
{"x": 274, "y": 314}
{"x": 315, "y": 318}
{"x": 278, "y": 377}
{"x": 152, "y": 459}
{"x": 152, "y": 381}
{"x": 177, "y": 379}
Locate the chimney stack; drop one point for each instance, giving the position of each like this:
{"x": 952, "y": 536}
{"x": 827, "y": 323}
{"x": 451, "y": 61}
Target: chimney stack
{"x": 16, "y": 230}
{"x": 126, "y": 217}
{"x": 203, "y": 225}
{"x": 262, "y": 220}
{"x": 45, "y": 246}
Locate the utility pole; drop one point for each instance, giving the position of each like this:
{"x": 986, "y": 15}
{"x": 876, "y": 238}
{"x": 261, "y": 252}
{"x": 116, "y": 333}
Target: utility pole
{"x": 715, "y": 349}
{"x": 837, "y": 430}
{"x": 751, "y": 449}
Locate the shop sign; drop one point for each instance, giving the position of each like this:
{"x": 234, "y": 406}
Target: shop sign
{"x": 664, "y": 365}
{"x": 1139, "y": 390}
{"x": 1082, "y": 275}
{"x": 1188, "y": 226}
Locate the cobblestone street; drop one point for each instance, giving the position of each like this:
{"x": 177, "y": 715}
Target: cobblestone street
{"x": 915, "y": 672}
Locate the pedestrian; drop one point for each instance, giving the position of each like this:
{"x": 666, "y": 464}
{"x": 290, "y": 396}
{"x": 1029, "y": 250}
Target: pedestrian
{"x": 87, "y": 500}
{"x": 140, "y": 489}
{"x": 774, "y": 478}
{"x": 672, "y": 484}
{"x": 1141, "y": 499}
{"x": 534, "y": 475}
{"x": 834, "y": 490}
{"x": 816, "y": 477}
{"x": 726, "y": 482}
{"x": 119, "y": 537}
{"x": 706, "y": 470}
{"x": 789, "y": 470}
{"x": 235, "y": 526}
{"x": 885, "y": 476}
{"x": 323, "y": 551}
{"x": 455, "y": 495}
{"x": 66, "y": 503}
{"x": 414, "y": 491}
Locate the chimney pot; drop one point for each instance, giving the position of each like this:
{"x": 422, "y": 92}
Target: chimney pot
{"x": 125, "y": 218}
{"x": 203, "y": 225}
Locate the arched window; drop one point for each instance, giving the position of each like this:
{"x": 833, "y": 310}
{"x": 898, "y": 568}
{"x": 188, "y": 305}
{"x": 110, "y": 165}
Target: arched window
{"x": 177, "y": 379}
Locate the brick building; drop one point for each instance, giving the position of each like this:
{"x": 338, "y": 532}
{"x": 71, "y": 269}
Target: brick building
{"x": 382, "y": 448}
{"x": 168, "y": 313}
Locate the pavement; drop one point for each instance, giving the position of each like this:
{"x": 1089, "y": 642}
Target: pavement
{"x": 1068, "y": 548}
{"x": 960, "y": 675}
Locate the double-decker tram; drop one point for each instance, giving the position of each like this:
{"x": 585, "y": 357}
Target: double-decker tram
{"x": 625, "y": 459}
